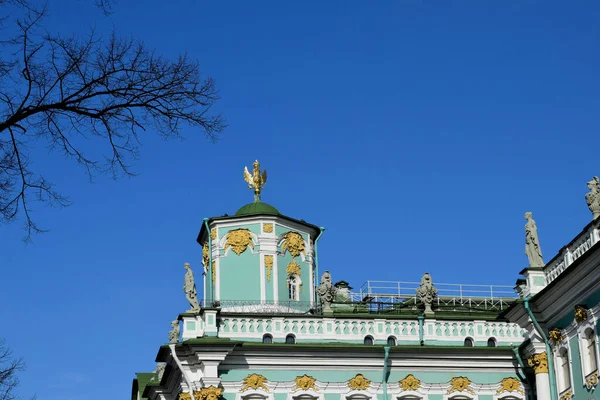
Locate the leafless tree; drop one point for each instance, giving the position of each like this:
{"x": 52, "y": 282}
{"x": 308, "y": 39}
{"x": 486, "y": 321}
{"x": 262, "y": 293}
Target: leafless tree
{"x": 88, "y": 98}
{"x": 9, "y": 366}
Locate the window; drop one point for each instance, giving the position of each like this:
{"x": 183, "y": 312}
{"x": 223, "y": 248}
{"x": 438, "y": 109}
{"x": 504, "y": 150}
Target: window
{"x": 267, "y": 339}
{"x": 468, "y": 342}
{"x": 564, "y": 374}
{"x": 368, "y": 340}
{"x": 391, "y": 341}
{"x": 589, "y": 351}
{"x": 491, "y": 342}
{"x": 290, "y": 339}
{"x": 293, "y": 288}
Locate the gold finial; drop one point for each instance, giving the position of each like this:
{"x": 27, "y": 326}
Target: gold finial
{"x": 255, "y": 180}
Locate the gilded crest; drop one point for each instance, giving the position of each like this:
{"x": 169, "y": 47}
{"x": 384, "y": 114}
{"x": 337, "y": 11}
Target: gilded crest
{"x": 205, "y": 257}
{"x": 359, "y": 382}
{"x": 410, "y": 383}
{"x": 555, "y": 335}
{"x": 305, "y": 382}
{"x": 539, "y": 363}
{"x": 238, "y": 240}
{"x": 255, "y": 381}
{"x": 268, "y": 228}
{"x": 293, "y": 268}
{"x": 269, "y": 266}
{"x": 580, "y": 314}
{"x": 213, "y": 234}
{"x": 293, "y": 242}
{"x": 510, "y": 385}
{"x": 460, "y": 384}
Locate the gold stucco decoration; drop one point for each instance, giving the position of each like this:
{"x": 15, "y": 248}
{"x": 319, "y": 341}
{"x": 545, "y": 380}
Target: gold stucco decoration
{"x": 580, "y": 314}
{"x": 268, "y": 228}
{"x": 460, "y": 384}
{"x": 208, "y": 393}
{"x": 591, "y": 381}
{"x": 255, "y": 381}
{"x": 269, "y": 266}
{"x": 238, "y": 240}
{"x": 539, "y": 362}
{"x": 185, "y": 396}
{"x": 213, "y": 234}
{"x": 214, "y": 273}
{"x": 305, "y": 382}
{"x": 567, "y": 396}
{"x": 510, "y": 385}
{"x": 359, "y": 382}
{"x": 255, "y": 180}
{"x": 410, "y": 383}
{"x": 293, "y": 243}
{"x": 555, "y": 335}
{"x": 293, "y": 268}
{"x": 205, "y": 257}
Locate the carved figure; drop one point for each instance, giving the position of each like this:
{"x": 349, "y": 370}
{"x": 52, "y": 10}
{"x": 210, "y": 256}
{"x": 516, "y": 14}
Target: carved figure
{"x": 208, "y": 393}
{"x": 580, "y": 314}
{"x": 174, "y": 333}
{"x": 460, "y": 384}
{"x": 255, "y": 180}
{"x": 189, "y": 287}
{"x": 255, "y": 381}
{"x": 593, "y": 197}
{"x": 305, "y": 382}
{"x": 326, "y": 292}
{"x": 238, "y": 240}
{"x": 159, "y": 371}
{"x": 293, "y": 242}
{"x": 427, "y": 292}
{"x": 410, "y": 383}
{"x": 555, "y": 335}
{"x": 510, "y": 385}
{"x": 532, "y": 244}
{"x": 539, "y": 363}
{"x": 359, "y": 382}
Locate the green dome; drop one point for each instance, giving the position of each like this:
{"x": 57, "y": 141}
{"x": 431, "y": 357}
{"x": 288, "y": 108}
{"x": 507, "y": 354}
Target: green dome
{"x": 257, "y": 208}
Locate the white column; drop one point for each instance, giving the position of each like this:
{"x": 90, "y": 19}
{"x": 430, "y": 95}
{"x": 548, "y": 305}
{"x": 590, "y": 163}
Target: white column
{"x": 539, "y": 362}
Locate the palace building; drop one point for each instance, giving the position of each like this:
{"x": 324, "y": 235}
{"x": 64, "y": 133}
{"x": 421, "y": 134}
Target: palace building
{"x": 272, "y": 326}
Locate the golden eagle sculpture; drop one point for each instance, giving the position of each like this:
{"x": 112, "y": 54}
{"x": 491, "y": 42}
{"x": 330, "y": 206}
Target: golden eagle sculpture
{"x": 255, "y": 180}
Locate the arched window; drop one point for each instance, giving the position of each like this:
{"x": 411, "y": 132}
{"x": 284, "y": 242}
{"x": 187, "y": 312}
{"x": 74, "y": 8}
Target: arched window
{"x": 267, "y": 339}
{"x": 294, "y": 288}
{"x": 290, "y": 339}
{"x": 391, "y": 341}
{"x": 368, "y": 340}
{"x": 491, "y": 342}
{"x": 564, "y": 375}
{"x": 589, "y": 351}
{"x": 468, "y": 342}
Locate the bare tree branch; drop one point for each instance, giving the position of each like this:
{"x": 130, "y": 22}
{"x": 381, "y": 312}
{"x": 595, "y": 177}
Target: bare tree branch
{"x": 9, "y": 367}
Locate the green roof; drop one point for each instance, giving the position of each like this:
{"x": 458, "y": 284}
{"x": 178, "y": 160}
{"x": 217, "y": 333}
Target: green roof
{"x": 142, "y": 380}
{"x": 257, "y": 208}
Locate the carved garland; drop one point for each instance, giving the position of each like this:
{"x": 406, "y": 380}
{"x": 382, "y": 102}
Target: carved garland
{"x": 214, "y": 273}
{"x": 510, "y": 385}
{"x": 269, "y": 266}
{"x": 293, "y": 243}
{"x": 410, "y": 383}
{"x": 359, "y": 382}
{"x": 460, "y": 384}
{"x": 305, "y": 382}
{"x": 255, "y": 381}
{"x": 238, "y": 240}
{"x": 539, "y": 362}
{"x": 293, "y": 268}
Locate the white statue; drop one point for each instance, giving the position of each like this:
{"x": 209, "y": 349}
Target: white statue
{"x": 593, "y": 197}
{"x": 427, "y": 292}
{"x": 532, "y": 244}
{"x": 189, "y": 287}
{"x": 326, "y": 292}
{"x": 159, "y": 371}
{"x": 174, "y": 333}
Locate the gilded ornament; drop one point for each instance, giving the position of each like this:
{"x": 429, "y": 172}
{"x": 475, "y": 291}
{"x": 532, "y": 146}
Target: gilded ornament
{"x": 359, "y": 382}
{"x": 269, "y": 266}
{"x": 268, "y": 228}
{"x": 293, "y": 243}
{"x": 214, "y": 273}
{"x": 255, "y": 381}
{"x": 208, "y": 393}
{"x": 460, "y": 384}
{"x": 591, "y": 381}
{"x": 205, "y": 257}
{"x": 238, "y": 240}
{"x": 185, "y": 396}
{"x": 293, "y": 268}
{"x": 539, "y": 362}
{"x": 255, "y": 180}
{"x": 510, "y": 385}
{"x": 555, "y": 335}
{"x": 410, "y": 383}
{"x": 580, "y": 314}
{"x": 567, "y": 396}
{"x": 213, "y": 234}
{"x": 305, "y": 382}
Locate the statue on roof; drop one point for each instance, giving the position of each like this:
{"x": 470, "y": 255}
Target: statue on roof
{"x": 593, "y": 197}
{"x": 326, "y": 292}
{"x": 189, "y": 287}
{"x": 255, "y": 180}
{"x": 174, "y": 333}
{"x": 159, "y": 371}
{"x": 427, "y": 292}
{"x": 532, "y": 244}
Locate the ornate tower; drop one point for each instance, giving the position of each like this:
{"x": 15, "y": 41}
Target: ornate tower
{"x": 258, "y": 259}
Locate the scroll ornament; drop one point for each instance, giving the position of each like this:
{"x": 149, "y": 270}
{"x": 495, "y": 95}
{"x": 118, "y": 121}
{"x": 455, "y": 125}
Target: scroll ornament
{"x": 305, "y": 382}
{"x": 510, "y": 385}
{"x": 359, "y": 382}
{"x": 255, "y": 381}
{"x": 460, "y": 384}
{"x": 410, "y": 383}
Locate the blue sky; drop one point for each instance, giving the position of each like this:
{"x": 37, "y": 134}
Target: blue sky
{"x": 417, "y": 132}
